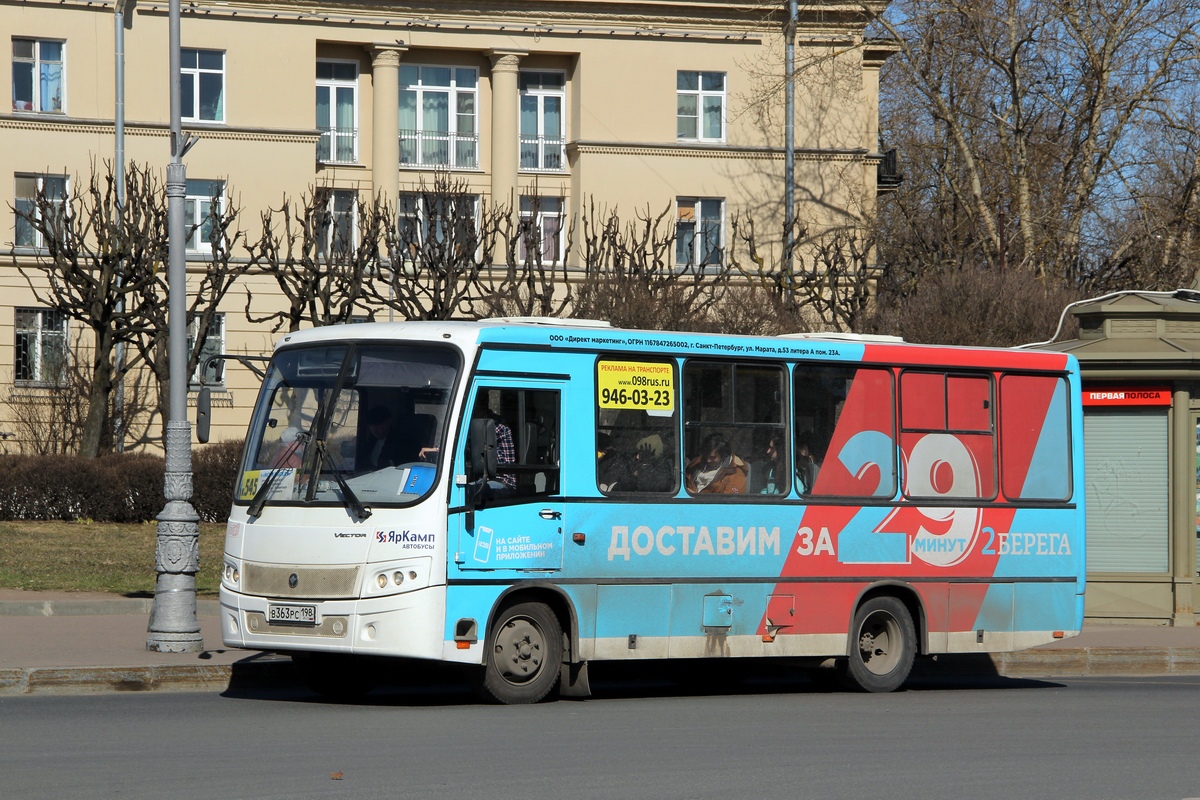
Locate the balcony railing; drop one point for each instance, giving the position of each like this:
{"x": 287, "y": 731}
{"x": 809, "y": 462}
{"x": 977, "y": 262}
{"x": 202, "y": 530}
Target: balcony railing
{"x": 539, "y": 153}
{"x": 439, "y": 149}
{"x": 338, "y": 146}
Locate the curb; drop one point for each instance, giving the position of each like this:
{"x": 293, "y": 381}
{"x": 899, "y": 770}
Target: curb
{"x": 261, "y": 671}
{"x": 1079, "y": 662}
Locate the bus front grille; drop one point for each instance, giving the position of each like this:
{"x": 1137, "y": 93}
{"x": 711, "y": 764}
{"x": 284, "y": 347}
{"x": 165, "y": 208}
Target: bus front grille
{"x": 317, "y": 583}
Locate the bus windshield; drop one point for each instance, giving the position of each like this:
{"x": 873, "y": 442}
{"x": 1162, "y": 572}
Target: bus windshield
{"x": 367, "y": 420}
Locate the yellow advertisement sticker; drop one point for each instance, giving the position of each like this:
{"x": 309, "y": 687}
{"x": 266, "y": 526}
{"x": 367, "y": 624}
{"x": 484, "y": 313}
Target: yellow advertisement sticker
{"x": 638, "y": 385}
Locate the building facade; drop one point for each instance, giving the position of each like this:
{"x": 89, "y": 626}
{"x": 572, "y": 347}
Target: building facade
{"x": 542, "y": 107}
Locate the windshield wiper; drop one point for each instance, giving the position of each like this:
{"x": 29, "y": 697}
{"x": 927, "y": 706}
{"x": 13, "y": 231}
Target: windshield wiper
{"x": 268, "y": 486}
{"x": 349, "y": 498}
{"x": 319, "y": 453}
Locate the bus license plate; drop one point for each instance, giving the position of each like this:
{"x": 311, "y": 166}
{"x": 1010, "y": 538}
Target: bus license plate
{"x": 292, "y": 615}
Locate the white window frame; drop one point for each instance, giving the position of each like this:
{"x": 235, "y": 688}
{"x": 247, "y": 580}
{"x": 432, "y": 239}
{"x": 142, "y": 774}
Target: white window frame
{"x": 195, "y": 214}
{"x": 213, "y": 343}
{"x": 39, "y": 65}
{"x": 332, "y": 146}
{"x": 47, "y": 325}
{"x": 344, "y": 207}
{"x": 689, "y": 213}
{"x": 541, "y": 152}
{"x": 421, "y": 148}
{"x": 194, "y": 76}
{"x": 550, "y": 211}
{"x": 699, "y": 95}
{"x": 30, "y": 202}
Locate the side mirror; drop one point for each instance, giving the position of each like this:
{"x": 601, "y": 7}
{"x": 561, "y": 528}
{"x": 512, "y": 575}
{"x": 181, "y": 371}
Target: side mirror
{"x": 481, "y": 450}
{"x": 203, "y": 415}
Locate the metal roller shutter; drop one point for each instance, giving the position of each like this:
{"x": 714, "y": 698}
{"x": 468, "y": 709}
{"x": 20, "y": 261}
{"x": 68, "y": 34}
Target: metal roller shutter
{"x": 1125, "y": 465}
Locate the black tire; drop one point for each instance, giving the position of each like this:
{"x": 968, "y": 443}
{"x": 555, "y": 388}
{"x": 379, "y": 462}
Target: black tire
{"x": 337, "y": 676}
{"x": 524, "y": 654}
{"x": 883, "y": 645}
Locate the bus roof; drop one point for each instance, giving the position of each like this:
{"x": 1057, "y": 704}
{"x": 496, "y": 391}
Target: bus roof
{"x": 546, "y": 332}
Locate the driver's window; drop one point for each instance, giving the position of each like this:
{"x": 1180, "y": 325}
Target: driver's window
{"x": 527, "y": 437}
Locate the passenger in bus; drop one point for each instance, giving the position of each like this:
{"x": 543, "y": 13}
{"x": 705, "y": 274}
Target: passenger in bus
{"x": 503, "y": 483}
{"x": 774, "y": 479}
{"x": 613, "y": 470}
{"x": 716, "y": 469}
{"x": 652, "y": 471}
{"x": 806, "y": 463}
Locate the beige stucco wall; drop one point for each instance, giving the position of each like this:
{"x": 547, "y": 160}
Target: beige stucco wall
{"x": 620, "y": 113}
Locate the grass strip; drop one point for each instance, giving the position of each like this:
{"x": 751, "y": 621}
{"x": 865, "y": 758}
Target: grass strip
{"x": 96, "y": 557}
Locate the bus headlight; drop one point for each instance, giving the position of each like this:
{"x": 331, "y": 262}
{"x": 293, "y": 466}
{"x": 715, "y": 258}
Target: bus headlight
{"x": 231, "y": 576}
{"x": 399, "y": 576}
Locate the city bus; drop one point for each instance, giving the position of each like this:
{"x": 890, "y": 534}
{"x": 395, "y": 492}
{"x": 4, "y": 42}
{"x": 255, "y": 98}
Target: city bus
{"x": 523, "y": 497}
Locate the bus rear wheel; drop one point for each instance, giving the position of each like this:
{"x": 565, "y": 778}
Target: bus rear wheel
{"x": 524, "y": 654}
{"x": 883, "y": 645}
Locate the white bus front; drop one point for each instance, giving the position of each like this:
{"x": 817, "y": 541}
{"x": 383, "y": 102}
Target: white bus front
{"x": 337, "y": 539}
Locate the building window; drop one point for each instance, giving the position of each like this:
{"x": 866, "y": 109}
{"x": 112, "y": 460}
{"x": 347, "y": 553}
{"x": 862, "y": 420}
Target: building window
{"x": 543, "y": 95}
{"x": 37, "y": 78}
{"x": 438, "y": 116}
{"x": 446, "y": 223}
{"x": 542, "y": 228}
{"x": 202, "y": 208}
{"x": 338, "y": 235}
{"x": 53, "y": 188}
{"x": 202, "y": 85}
{"x": 40, "y": 336}
{"x": 214, "y": 344}
{"x": 337, "y": 112}
{"x": 698, "y": 232}
{"x": 700, "y": 106}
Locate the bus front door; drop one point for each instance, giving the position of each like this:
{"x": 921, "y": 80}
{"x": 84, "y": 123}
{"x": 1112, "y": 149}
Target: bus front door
{"x": 513, "y": 519}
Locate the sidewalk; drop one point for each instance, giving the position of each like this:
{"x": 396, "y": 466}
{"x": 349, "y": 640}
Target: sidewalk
{"x": 67, "y": 642}
{"x": 74, "y": 642}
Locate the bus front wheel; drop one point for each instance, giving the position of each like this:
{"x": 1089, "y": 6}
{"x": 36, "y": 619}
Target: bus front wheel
{"x": 883, "y": 645}
{"x": 525, "y": 650}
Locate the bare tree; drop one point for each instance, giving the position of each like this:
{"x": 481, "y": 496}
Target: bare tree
{"x": 532, "y": 281}
{"x": 828, "y": 286}
{"x": 440, "y": 252}
{"x": 221, "y": 272}
{"x": 49, "y": 418}
{"x": 631, "y": 275}
{"x": 1021, "y": 124}
{"x": 94, "y": 260}
{"x": 321, "y": 257}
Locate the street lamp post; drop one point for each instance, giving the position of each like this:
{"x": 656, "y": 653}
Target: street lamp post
{"x": 789, "y": 146}
{"x": 120, "y": 22}
{"x": 173, "y": 625}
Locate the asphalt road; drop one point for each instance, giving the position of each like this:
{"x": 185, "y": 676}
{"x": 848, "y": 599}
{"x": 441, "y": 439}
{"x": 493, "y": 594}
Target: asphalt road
{"x": 994, "y": 738}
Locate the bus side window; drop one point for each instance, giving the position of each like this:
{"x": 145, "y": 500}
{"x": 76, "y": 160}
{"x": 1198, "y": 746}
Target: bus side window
{"x": 844, "y": 431}
{"x": 637, "y": 427}
{"x": 735, "y": 428}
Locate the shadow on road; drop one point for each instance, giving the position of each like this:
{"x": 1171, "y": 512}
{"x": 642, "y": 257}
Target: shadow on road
{"x": 269, "y": 677}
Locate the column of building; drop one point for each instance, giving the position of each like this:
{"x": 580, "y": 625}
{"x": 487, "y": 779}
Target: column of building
{"x": 385, "y": 121}
{"x": 505, "y": 146}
